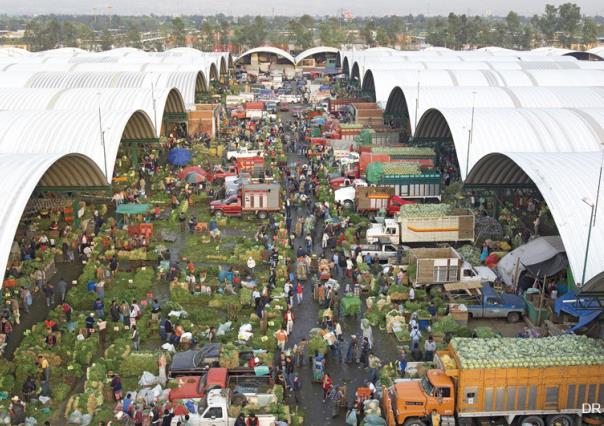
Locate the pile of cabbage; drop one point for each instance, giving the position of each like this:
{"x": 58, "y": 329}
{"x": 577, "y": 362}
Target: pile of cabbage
{"x": 528, "y": 353}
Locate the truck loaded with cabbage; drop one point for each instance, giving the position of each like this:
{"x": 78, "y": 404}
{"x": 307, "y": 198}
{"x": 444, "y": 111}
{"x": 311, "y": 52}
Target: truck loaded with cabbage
{"x": 540, "y": 382}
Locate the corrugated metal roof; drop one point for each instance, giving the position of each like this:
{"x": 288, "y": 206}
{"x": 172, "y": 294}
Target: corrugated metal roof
{"x": 68, "y": 132}
{"x": 402, "y": 98}
{"x": 513, "y": 130}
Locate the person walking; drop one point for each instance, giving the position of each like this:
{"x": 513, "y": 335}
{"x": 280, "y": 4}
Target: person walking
{"x": 429, "y": 349}
{"x": 26, "y": 298}
{"x": 299, "y": 292}
{"x": 99, "y": 308}
{"x": 364, "y": 358}
{"x": 14, "y": 304}
{"x": 289, "y": 320}
{"x": 136, "y": 339}
{"x": 61, "y": 290}
{"x": 326, "y": 384}
{"x": 352, "y": 349}
{"x": 49, "y": 292}
{"x": 281, "y": 336}
{"x": 374, "y": 365}
{"x": 297, "y": 388}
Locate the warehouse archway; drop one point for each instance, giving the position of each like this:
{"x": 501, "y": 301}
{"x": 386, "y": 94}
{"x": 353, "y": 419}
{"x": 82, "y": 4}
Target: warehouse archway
{"x": 23, "y": 173}
{"x": 569, "y": 211}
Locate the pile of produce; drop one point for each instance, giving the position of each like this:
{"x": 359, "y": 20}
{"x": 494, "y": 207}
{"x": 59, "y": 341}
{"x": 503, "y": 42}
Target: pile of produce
{"x": 485, "y": 333}
{"x": 364, "y": 137}
{"x": 446, "y": 325}
{"x": 470, "y": 254}
{"x": 376, "y": 171}
{"x": 351, "y": 305}
{"x": 404, "y": 151}
{"x": 425, "y": 210}
{"x": 529, "y": 353}
{"x": 229, "y": 356}
{"x": 398, "y": 292}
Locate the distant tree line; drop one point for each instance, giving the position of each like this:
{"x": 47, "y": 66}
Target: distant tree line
{"x": 562, "y": 25}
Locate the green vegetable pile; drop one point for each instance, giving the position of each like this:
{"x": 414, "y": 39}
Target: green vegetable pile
{"x": 425, "y": 210}
{"x": 512, "y": 352}
{"x": 351, "y": 305}
{"x": 404, "y": 151}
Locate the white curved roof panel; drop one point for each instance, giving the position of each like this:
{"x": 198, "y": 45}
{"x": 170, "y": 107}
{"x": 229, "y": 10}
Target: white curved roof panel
{"x": 35, "y": 132}
{"x": 269, "y": 49}
{"x": 313, "y": 51}
{"x": 514, "y": 130}
{"x": 490, "y": 97}
{"x": 91, "y": 99}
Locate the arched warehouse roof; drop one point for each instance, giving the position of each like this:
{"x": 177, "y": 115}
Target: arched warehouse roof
{"x": 513, "y": 130}
{"x": 409, "y": 104}
{"x": 166, "y": 100}
{"x": 187, "y": 82}
{"x": 21, "y": 173}
{"x": 314, "y": 51}
{"x": 564, "y": 179}
{"x": 71, "y": 132}
{"x": 380, "y": 82}
{"x": 269, "y": 49}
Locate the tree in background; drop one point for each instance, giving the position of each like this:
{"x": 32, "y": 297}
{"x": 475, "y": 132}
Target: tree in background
{"x": 133, "y": 36}
{"x": 206, "y": 42}
{"x": 568, "y": 22}
{"x": 330, "y": 32}
{"x": 368, "y": 33}
{"x": 589, "y": 32}
{"x": 106, "y": 40}
{"x": 302, "y": 31}
{"x": 178, "y": 32}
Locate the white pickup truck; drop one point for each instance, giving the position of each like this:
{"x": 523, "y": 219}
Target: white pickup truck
{"x": 217, "y": 409}
{"x": 244, "y": 153}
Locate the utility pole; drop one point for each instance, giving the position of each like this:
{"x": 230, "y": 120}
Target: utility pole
{"x": 102, "y": 133}
{"x": 470, "y": 135}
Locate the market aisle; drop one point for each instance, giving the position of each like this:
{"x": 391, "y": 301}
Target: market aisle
{"x": 39, "y": 311}
{"x": 307, "y": 315}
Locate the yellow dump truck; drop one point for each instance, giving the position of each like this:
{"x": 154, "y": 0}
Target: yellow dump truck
{"x": 550, "y": 381}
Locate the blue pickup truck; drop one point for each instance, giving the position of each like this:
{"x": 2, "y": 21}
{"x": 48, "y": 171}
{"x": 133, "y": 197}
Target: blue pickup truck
{"x": 490, "y": 304}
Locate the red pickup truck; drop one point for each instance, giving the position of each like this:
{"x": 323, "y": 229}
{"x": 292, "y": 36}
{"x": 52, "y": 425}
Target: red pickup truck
{"x": 259, "y": 199}
{"x": 197, "y": 387}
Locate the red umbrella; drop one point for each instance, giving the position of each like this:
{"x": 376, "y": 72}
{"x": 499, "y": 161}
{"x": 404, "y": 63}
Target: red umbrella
{"x": 191, "y": 169}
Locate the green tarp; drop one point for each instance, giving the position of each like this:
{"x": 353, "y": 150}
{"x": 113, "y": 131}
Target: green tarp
{"x": 132, "y": 208}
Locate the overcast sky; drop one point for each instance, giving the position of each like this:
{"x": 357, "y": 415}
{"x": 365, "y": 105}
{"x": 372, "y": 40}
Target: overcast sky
{"x": 289, "y": 7}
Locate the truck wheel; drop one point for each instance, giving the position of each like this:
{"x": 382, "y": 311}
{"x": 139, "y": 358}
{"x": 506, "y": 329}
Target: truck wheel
{"x": 262, "y": 215}
{"x": 348, "y": 204}
{"x": 514, "y": 317}
{"x": 414, "y": 422}
{"x": 218, "y": 213}
{"x": 560, "y": 420}
{"x": 532, "y": 420}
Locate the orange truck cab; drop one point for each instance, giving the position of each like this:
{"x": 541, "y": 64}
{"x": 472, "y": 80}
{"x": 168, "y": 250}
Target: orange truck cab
{"x": 411, "y": 402}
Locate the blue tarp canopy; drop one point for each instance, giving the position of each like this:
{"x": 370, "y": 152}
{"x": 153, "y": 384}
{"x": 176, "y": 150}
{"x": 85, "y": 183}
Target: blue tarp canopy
{"x": 585, "y": 315}
{"x": 179, "y": 156}
{"x": 132, "y": 208}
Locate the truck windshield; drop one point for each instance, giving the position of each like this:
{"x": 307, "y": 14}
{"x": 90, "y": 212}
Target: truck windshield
{"x": 427, "y": 386}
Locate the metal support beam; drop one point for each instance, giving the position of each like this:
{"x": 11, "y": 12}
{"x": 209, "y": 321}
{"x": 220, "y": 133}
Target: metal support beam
{"x": 64, "y": 189}
{"x": 499, "y": 186}
{"x": 178, "y": 117}
{"x": 145, "y": 141}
